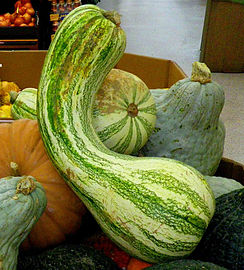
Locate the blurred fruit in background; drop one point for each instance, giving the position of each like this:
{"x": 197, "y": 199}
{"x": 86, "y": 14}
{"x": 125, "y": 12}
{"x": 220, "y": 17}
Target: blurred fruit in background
{"x": 23, "y": 15}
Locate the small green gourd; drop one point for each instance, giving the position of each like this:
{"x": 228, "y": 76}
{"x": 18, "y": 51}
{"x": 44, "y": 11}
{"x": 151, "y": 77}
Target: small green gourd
{"x": 22, "y": 202}
{"x": 188, "y": 127}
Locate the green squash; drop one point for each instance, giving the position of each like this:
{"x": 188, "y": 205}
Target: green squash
{"x": 24, "y": 104}
{"x": 153, "y": 208}
{"x": 124, "y": 113}
{"x": 223, "y": 242}
{"x": 185, "y": 265}
{"x": 222, "y": 185}
{"x": 188, "y": 127}
{"x": 67, "y": 257}
{"x": 22, "y": 202}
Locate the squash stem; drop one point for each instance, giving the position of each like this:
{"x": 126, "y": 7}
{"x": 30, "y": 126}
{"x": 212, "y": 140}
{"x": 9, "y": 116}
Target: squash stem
{"x": 25, "y": 185}
{"x": 15, "y": 169}
{"x": 200, "y": 73}
{"x": 113, "y": 16}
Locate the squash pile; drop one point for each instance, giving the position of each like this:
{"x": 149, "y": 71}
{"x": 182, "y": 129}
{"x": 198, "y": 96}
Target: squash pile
{"x": 90, "y": 122}
{"x": 5, "y": 98}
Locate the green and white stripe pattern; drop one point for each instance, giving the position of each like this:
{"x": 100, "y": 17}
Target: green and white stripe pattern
{"x": 24, "y": 105}
{"x": 154, "y": 208}
{"x": 124, "y": 113}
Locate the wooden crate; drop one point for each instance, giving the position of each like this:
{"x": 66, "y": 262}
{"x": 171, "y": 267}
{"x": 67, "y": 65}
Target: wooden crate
{"x": 223, "y": 36}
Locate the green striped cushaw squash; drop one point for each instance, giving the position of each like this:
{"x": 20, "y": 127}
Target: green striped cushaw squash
{"x": 124, "y": 113}
{"x": 156, "y": 209}
{"x": 24, "y": 105}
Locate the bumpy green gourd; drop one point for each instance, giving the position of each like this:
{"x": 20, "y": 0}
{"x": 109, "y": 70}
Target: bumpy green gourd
{"x": 223, "y": 242}
{"x": 154, "y": 208}
{"x": 188, "y": 127}
{"x": 22, "y": 202}
{"x": 186, "y": 265}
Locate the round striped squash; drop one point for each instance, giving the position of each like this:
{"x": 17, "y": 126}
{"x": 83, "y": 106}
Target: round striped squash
{"x": 124, "y": 113}
{"x": 24, "y": 106}
{"x": 155, "y": 209}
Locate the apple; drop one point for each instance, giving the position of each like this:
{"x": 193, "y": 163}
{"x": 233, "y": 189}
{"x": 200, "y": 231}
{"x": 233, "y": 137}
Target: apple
{"x": 28, "y": 5}
{"x": 27, "y": 18}
{"x": 18, "y": 21}
{"x": 30, "y": 11}
{"x": 22, "y": 10}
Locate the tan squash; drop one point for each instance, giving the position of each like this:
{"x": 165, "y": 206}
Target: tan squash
{"x": 21, "y": 144}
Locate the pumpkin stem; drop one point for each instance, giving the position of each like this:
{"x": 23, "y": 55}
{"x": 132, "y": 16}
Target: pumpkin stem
{"x": 25, "y": 185}
{"x": 15, "y": 169}
{"x": 113, "y": 16}
{"x": 132, "y": 110}
{"x": 200, "y": 73}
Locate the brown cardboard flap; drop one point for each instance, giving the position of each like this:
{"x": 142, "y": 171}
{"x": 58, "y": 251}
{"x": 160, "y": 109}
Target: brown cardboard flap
{"x": 155, "y": 72}
{"x": 24, "y": 68}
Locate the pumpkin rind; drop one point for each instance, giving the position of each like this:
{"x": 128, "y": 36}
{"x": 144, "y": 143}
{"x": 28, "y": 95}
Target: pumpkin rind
{"x": 20, "y": 142}
{"x": 23, "y": 201}
{"x": 188, "y": 127}
{"x": 124, "y": 113}
{"x": 135, "y": 200}
{"x": 24, "y": 105}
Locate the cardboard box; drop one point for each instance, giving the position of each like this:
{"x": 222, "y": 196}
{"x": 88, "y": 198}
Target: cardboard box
{"x": 24, "y": 68}
{"x": 223, "y": 36}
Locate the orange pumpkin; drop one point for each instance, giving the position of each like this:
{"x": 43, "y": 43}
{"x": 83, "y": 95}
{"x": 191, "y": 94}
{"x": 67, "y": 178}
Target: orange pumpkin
{"x": 21, "y": 143}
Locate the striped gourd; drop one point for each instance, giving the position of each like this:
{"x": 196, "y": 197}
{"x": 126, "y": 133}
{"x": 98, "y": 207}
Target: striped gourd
{"x": 24, "y": 106}
{"x": 124, "y": 113}
{"x": 156, "y": 209}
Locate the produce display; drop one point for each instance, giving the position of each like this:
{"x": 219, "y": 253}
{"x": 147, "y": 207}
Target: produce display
{"x": 188, "y": 127}
{"x": 23, "y": 153}
{"x": 130, "y": 197}
{"x": 77, "y": 188}
{"x": 23, "y": 201}
{"x": 23, "y": 15}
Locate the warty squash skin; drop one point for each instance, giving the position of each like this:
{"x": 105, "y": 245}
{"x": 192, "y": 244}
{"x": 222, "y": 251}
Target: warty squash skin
{"x": 21, "y": 143}
{"x": 22, "y": 202}
{"x": 156, "y": 209}
{"x": 188, "y": 126}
